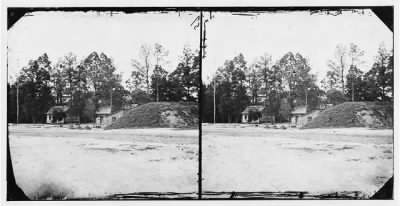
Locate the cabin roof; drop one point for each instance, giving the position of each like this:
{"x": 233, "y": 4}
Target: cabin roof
{"x": 253, "y": 108}
{"x": 300, "y": 110}
{"x": 104, "y": 110}
{"x": 57, "y": 108}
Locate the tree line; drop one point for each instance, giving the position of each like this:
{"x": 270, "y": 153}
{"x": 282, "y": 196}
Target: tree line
{"x": 282, "y": 85}
{"x": 346, "y": 82}
{"x": 93, "y": 82}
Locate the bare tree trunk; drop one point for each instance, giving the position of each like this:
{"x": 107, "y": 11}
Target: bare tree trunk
{"x": 342, "y": 71}
{"x": 157, "y": 98}
{"x": 188, "y": 93}
{"x": 61, "y": 100}
{"x": 342, "y": 81}
{"x": 17, "y": 104}
{"x": 352, "y": 90}
{"x": 111, "y": 100}
{"x": 214, "y": 101}
{"x": 383, "y": 92}
{"x": 266, "y": 86}
{"x": 147, "y": 81}
{"x": 305, "y": 90}
{"x": 383, "y": 81}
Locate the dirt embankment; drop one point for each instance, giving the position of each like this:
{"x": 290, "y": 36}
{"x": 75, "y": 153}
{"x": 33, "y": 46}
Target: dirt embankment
{"x": 159, "y": 114}
{"x": 355, "y": 114}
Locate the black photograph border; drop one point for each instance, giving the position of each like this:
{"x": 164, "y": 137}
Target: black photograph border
{"x": 384, "y": 13}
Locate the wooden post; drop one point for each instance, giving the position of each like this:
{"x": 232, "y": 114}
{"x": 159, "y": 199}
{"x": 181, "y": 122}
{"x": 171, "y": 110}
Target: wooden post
{"x": 17, "y": 103}
{"x": 200, "y": 65}
{"x": 111, "y": 101}
{"x": 214, "y": 101}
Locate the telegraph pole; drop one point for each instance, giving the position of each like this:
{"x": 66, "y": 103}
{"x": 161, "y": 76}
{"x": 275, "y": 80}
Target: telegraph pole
{"x": 17, "y": 83}
{"x": 17, "y": 103}
{"x": 111, "y": 90}
{"x": 200, "y": 112}
{"x": 199, "y": 22}
{"x": 306, "y": 91}
{"x": 306, "y": 100}
{"x": 214, "y": 99}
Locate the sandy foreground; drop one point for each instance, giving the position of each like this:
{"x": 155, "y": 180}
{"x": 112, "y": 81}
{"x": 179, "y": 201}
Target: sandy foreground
{"x": 245, "y": 158}
{"x": 95, "y": 163}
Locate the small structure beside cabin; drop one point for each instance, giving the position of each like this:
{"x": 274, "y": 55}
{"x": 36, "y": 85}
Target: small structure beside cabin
{"x": 50, "y": 115}
{"x": 297, "y": 115}
{"x": 101, "y": 114}
{"x": 301, "y": 114}
{"x": 104, "y": 115}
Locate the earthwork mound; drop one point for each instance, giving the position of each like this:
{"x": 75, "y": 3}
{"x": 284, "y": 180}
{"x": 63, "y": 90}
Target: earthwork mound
{"x": 159, "y": 114}
{"x": 355, "y": 114}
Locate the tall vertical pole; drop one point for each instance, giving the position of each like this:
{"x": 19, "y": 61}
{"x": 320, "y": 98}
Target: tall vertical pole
{"x": 352, "y": 90}
{"x": 214, "y": 101}
{"x": 111, "y": 101}
{"x": 200, "y": 65}
{"x": 157, "y": 90}
{"x": 306, "y": 98}
{"x": 79, "y": 93}
{"x": 17, "y": 103}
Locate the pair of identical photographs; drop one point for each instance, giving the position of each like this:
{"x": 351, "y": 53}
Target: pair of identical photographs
{"x": 200, "y": 103}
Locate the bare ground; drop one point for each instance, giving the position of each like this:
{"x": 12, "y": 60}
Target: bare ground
{"x": 245, "y": 158}
{"x": 53, "y": 162}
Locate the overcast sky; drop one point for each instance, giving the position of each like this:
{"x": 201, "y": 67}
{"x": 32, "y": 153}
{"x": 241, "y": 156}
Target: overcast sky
{"x": 313, "y": 36}
{"x": 119, "y": 36}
